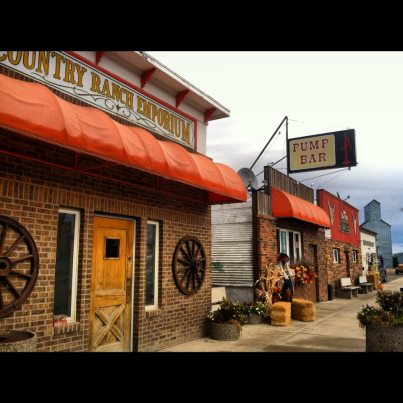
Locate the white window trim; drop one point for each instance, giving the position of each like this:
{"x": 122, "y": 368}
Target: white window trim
{"x": 156, "y": 265}
{"x": 355, "y": 256}
{"x": 336, "y": 255}
{"x": 287, "y": 241}
{"x": 73, "y": 316}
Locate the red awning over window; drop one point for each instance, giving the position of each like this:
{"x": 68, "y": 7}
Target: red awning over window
{"x": 287, "y": 205}
{"x": 34, "y": 110}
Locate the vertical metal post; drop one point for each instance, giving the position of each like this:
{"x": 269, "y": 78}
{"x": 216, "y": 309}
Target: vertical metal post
{"x": 271, "y": 138}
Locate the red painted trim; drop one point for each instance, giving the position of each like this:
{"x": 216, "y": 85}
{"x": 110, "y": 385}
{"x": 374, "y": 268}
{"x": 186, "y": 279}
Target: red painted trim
{"x": 180, "y": 96}
{"x": 208, "y": 114}
{"x": 99, "y": 166}
{"x": 146, "y": 76}
{"x": 81, "y": 171}
{"x": 122, "y": 80}
{"x": 98, "y": 56}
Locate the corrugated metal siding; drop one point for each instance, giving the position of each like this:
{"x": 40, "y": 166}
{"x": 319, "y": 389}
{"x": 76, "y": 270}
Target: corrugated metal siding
{"x": 232, "y": 244}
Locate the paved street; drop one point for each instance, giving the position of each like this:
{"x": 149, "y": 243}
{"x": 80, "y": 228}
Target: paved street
{"x": 335, "y": 329}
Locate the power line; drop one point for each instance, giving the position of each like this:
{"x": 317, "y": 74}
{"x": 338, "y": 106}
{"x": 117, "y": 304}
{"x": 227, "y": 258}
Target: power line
{"x": 331, "y": 173}
{"x": 332, "y": 178}
{"x": 318, "y": 123}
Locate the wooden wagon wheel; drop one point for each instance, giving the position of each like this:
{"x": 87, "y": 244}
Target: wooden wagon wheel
{"x": 19, "y": 265}
{"x": 189, "y": 265}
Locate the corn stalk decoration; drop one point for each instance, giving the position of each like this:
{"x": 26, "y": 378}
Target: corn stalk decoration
{"x": 270, "y": 277}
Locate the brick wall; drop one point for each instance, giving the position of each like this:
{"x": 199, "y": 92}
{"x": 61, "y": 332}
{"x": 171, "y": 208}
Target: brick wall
{"x": 31, "y": 193}
{"x": 338, "y": 270}
{"x": 310, "y": 235}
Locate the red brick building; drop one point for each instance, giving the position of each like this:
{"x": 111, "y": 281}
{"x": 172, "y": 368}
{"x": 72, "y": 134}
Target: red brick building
{"x": 249, "y": 236}
{"x": 343, "y": 249}
{"x": 105, "y": 227}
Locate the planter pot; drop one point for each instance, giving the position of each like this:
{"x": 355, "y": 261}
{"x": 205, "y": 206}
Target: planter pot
{"x": 222, "y": 331}
{"x": 17, "y": 341}
{"x": 255, "y": 319}
{"x": 384, "y": 338}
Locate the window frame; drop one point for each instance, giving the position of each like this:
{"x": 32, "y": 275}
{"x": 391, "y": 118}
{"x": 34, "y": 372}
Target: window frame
{"x": 355, "y": 256}
{"x": 287, "y": 242}
{"x": 336, "y": 258}
{"x": 76, "y": 250}
{"x": 156, "y": 266}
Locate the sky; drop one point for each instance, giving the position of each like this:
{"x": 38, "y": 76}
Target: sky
{"x": 320, "y": 92}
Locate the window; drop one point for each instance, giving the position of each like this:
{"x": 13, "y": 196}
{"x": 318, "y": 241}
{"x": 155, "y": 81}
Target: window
{"x": 112, "y": 247}
{"x": 336, "y": 255}
{"x": 67, "y": 264}
{"x": 152, "y": 265}
{"x": 355, "y": 256}
{"x": 289, "y": 242}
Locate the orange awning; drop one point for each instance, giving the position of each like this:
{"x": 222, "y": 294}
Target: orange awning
{"x": 286, "y": 205}
{"x": 34, "y": 110}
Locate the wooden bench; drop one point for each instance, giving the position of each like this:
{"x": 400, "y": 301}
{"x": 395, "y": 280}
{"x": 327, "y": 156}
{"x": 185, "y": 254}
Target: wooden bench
{"x": 348, "y": 290}
{"x": 365, "y": 287}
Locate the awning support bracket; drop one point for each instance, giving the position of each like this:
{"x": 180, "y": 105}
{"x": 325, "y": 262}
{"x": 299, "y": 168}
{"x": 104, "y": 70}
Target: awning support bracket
{"x": 180, "y": 96}
{"x": 146, "y": 76}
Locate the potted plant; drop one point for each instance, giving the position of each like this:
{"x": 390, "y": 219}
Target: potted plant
{"x": 255, "y": 312}
{"x": 383, "y": 325}
{"x": 226, "y": 322}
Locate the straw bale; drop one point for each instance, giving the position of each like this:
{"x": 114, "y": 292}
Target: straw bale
{"x": 281, "y": 314}
{"x": 303, "y": 310}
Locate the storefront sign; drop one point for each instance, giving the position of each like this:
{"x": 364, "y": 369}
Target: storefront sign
{"x": 368, "y": 243}
{"x": 76, "y": 78}
{"x": 322, "y": 151}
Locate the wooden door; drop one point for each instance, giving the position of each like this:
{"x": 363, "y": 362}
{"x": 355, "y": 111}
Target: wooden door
{"x": 111, "y": 284}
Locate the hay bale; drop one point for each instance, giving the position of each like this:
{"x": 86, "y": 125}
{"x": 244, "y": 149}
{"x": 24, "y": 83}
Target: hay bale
{"x": 281, "y": 314}
{"x": 303, "y": 310}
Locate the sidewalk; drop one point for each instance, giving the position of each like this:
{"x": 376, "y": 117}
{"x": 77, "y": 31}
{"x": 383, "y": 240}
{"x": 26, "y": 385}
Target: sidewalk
{"x": 335, "y": 329}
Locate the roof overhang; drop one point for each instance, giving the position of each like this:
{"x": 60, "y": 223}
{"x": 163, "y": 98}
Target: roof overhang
{"x": 287, "y": 205}
{"x": 145, "y": 62}
{"x": 34, "y": 110}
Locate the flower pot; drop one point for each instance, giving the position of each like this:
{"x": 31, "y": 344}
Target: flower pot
{"x": 255, "y": 319}
{"x": 224, "y": 331}
{"x": 384, "y": 338}
{"x": 17, "y": 341}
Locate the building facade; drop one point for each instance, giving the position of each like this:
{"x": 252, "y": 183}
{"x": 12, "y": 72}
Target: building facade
{"x": 343, "y": 249}
{"x": 105, "y": 195}
{"x": 368, "y": 249}
{"x": 373, "y": 222}
{"x": 248, "y": 237}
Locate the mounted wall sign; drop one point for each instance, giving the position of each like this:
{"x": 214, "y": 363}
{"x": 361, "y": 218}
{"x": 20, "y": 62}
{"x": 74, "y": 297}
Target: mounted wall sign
{"x": 189, "y": 265}
{"x": 81, "y": 79}
{"x": 322, "y": 151}
{"x": 19, "y": 265}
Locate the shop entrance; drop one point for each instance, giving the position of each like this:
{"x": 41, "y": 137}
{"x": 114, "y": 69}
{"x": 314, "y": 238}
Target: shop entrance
{"x": 111, "y": 284}
{"x": 313, "y": 249}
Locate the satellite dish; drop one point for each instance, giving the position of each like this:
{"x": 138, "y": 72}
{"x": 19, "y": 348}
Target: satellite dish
{"x": 248, "y": 178}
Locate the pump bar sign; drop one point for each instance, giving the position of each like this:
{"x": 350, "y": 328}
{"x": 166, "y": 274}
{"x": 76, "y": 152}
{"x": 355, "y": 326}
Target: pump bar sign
{"x": 322, "y": 151}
